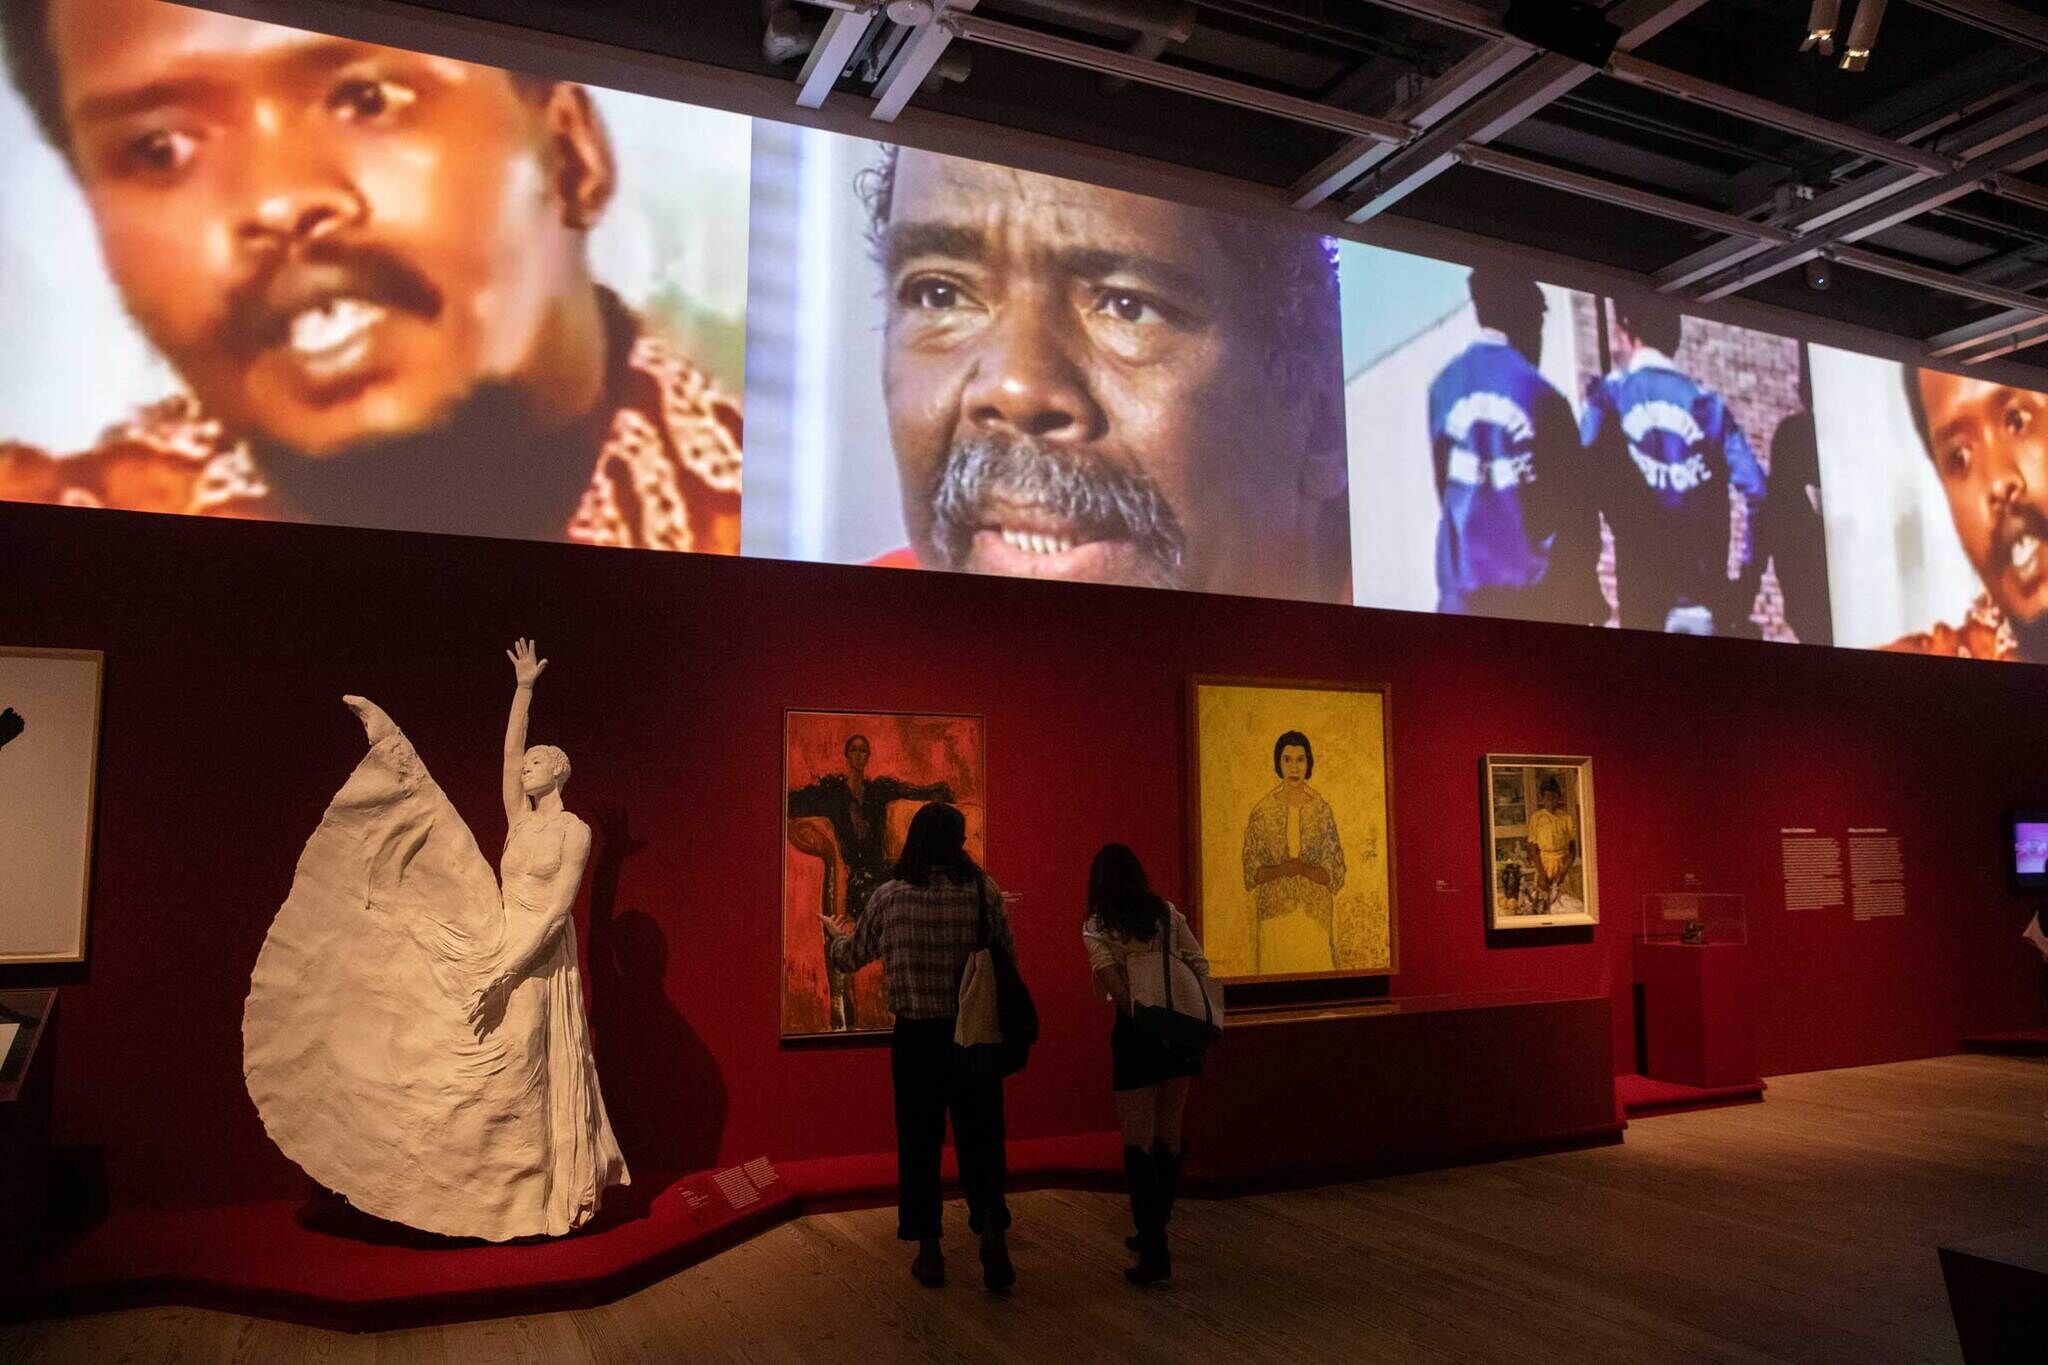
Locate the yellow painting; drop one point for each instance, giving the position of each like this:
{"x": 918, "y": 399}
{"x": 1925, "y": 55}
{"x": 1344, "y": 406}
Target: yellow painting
{"x": 1292, "y": 830}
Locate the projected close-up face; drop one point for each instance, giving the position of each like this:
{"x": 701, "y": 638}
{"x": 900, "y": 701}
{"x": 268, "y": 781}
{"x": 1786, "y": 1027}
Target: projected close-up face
{"x": 332, "y": 242}
{"x": 1989, "y": 444}
{"x": 1081, "y": 384}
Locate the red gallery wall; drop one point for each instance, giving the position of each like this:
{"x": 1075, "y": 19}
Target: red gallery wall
{"x": 229, "y": 646}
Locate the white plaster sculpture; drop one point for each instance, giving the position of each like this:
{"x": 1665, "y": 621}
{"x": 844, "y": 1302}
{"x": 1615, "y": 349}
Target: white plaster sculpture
{"x": 415, "y": 1040}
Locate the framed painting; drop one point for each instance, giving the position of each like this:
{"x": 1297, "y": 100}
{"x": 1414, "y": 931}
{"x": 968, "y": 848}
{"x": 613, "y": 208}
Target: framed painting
{"x": 49, "y": 761}
{"x": 1540, "y": 860}
{"x": 1291, "y": 812}
{"x": 851, "y": 782}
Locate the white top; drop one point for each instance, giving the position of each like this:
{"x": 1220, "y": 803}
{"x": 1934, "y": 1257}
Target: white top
{"x": 1107, "y": 948}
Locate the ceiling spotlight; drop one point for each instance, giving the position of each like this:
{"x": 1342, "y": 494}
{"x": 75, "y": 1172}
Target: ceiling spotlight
{"x": 1820, "y": 27}
{"x": 911, "y": 13}
{"x": 1862, "y": 34}
{"x": 1820, "y": 273}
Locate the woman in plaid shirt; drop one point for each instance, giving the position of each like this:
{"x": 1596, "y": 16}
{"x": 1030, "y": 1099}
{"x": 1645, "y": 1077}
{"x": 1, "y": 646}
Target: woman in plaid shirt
{"x": 923, "y": 924}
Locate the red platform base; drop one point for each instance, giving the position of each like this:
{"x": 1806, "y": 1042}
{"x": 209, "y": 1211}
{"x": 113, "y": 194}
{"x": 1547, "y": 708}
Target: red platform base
{"x": 2026, "y": 1042}
{"x": 321, "y": 1262}
{"x": 1642, "y": 1097}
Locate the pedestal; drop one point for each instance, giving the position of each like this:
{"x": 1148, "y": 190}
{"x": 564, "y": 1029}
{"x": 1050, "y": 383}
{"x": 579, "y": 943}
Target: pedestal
{"x": 1998, "y": 1292}
{"x": 1332, "y": 1092}
{"x": 1699, "y": 1013}
{"x": 25, "y": 1068}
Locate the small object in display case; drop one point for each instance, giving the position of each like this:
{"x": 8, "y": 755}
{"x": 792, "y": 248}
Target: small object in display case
{"x": 1696, "y": 919}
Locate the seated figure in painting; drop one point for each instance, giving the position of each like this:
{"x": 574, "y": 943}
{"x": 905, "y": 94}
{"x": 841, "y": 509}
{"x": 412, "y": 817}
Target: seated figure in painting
{"x": 1294, "y": 868}
{"x": 414, "y": 1036}
{"x": 843, "y": 820}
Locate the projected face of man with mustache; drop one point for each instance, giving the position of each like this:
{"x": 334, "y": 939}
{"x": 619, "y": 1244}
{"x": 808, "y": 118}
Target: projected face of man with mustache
{"x": 369, "y": 265}
{"x": 1092, "y": 385}
{"x": 333, "y": 242}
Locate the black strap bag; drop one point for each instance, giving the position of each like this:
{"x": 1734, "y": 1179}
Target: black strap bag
{"x": 1157, "y": 1007}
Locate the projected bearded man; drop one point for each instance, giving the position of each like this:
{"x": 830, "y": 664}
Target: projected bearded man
{"x": 1989, "y": 445}
{"x": 1090, "y": 385}
{"x": 369, "y": 268}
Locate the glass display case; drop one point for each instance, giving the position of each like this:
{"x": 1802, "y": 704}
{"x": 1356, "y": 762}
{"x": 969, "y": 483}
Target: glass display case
{"x": 1694, "y": 917}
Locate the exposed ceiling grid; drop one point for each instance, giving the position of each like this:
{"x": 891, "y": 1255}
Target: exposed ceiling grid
{"x": 1689, "y": 142}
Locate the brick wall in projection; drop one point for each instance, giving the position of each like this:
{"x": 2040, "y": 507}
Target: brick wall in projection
{"x": 230, "y": 644}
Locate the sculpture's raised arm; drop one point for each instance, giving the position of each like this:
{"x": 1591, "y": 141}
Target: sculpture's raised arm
{"x": 527, "y": 666}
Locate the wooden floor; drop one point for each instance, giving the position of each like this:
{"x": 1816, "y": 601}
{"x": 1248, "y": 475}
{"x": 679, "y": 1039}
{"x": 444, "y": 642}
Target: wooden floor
{"x": 1799, "y": 1229}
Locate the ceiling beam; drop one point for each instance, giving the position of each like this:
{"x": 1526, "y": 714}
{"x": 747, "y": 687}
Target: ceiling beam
{"x": 1929, "y": 278}
{"x": 830, "y": 54}
{"x": 1677, "y": 84}
{"x": 2036, "y": 334}
{"x": 2009, "y": 22}
{"x": 1472, "y": 76}
{"x": 1855, "y": 196}
{"x": 1887, "y": 208}
{"x": 1626, "y": 196}
{"x": 974, "y": 28}
{"x": 2007, "y": 186}
{"x": 915, "y": 59}
{"x": 1506, "y": 105}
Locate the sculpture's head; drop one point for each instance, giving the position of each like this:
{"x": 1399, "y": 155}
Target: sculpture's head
{"x": 546, "y": 769}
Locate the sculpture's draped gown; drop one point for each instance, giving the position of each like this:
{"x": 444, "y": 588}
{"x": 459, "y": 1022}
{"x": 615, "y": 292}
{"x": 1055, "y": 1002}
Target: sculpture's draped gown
{"x": 356, "y": 1038}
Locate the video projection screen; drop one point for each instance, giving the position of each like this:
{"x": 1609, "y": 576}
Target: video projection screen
{"x": 287, "y": 276}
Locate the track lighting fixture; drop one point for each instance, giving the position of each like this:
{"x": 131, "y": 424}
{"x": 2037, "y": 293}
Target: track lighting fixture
{"x": 1820, "y": 27}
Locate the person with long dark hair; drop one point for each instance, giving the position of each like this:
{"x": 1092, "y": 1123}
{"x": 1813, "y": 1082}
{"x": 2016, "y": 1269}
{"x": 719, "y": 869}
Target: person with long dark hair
{"x": 923, "y": 925}
{"x": 1126, "y": 916}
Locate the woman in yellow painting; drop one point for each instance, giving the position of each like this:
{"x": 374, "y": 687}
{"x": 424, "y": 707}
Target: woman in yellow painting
{"x": 1294, "y": 867}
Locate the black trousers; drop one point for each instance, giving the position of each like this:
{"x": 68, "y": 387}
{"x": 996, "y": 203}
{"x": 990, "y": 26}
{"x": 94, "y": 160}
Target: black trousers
{"x": 931, "y": 1081}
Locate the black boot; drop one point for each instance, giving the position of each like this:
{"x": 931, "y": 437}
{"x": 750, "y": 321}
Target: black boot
{"x": 1149, "y": 1214}
{"x": 1155, "y": 1263}
{"x": 1138, "y": 1173}
{"x": 929, "y": 1269}
{"x": 1167, "y": 1164}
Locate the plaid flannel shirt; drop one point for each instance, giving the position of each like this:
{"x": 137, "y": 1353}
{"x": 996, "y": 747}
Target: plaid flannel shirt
{"x": 923, "y": 936}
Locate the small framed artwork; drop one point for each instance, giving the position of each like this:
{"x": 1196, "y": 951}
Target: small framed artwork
{"x": 851, "y": 782}
{"x": 49, "y": 760}
{"x": 1542, "y": 870}
{"x": 1292, "y": 815}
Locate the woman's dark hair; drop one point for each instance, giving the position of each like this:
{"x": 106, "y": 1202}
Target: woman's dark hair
{"x": 1298, "y": 740}
{"x": 937, "y": 842}
{"x": 1120, "y": 897}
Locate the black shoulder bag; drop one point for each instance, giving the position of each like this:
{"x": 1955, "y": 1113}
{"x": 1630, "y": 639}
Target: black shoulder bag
{"x": 1016, "y": 1015}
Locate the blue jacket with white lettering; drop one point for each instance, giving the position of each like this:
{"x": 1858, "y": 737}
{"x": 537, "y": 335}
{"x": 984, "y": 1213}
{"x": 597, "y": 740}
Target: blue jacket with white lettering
{"x": 1665, "y": 453}
{"x": 1516, "y": 527}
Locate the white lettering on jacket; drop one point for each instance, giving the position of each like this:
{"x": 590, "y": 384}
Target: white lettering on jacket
{"x": 1647, "y": 419}
{"x": 1503, "y": 472}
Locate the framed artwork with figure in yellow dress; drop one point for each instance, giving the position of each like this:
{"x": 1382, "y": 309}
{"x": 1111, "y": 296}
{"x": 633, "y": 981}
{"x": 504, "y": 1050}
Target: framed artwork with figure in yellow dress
{"x": 1292, "y": 817}
{"x": 1540, "y": 858}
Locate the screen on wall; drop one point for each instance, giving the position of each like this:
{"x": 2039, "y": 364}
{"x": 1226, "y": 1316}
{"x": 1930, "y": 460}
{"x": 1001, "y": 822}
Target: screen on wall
{"x": 281, "y": 275}
{"x": 2030, "y": 849}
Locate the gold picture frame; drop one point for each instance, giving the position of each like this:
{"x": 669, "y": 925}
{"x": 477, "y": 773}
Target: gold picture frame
{"x": 1291, "y": 882}
{"x": 1542, "y": 859}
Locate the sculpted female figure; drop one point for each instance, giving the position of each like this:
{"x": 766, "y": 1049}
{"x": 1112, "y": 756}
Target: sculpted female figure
{"x": 414, "y": 1036}
{"x": 1294, "y": 868}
